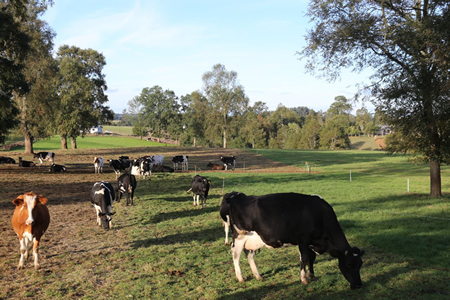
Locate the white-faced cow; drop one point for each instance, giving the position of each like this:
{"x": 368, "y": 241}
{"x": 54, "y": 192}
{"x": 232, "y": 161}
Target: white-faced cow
{"x": 228, "y": 161}
{"x": 157, "y": 160}
{"x": 126, "y": 184}
{"x": 102, "y": 198}
{"x": 7, "y": 160}
{"x": 26, "y": 163}
{"x": 200, "y": 188}
{"x": 57, "y": 168}
{"x": 180, "y": 159}
{"x": 98, "y": 164}
{"x": 276, "y": 220}
{"x": 30, "y": 220}
{"x": 45, "y": 156}
{"x": 216, "y": 166}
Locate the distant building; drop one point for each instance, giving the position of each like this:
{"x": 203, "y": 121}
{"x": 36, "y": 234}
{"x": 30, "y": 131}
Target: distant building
{"x": 97, "y": 130}
{"x": 385, "y": 129}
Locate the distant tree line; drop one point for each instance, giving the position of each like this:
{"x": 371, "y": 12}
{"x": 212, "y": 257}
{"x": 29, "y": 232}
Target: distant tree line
{"x": 220, "y": 116}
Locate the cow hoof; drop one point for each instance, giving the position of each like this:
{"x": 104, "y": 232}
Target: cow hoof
{"x": 305, "y": 282}
{"x": 241, "y": 280}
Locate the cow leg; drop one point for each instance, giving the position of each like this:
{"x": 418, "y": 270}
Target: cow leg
{"x": 23, "y": 252}
{"x": 312, "y": 258}
{"x": 97, "y": 212}
{"x": 251, "y": 261}
{"x": 236, "y": 249}
{"x": 304, "y": 260}
{"x": 194, "y": 199}
{"x": 36, "y": 254}
{"x": 227, "y": 229}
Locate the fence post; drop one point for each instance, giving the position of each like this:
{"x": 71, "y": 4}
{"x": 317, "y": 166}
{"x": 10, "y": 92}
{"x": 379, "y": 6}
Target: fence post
{"x": 350, "y": 175}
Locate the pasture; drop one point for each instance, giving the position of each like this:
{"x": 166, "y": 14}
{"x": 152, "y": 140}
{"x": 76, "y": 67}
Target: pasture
{"x": 164, "y": 248}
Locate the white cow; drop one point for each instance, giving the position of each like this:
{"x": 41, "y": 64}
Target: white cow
{"x": 157, "y": 160}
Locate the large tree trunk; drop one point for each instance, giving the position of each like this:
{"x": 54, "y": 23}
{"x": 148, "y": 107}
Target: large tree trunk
{"x": 63, "y": 141}
{"x": 28, "y": 140}
{"x": 435, "y": 178}
{"x": 74, "y": 143}
{"x": 224, "y": 138}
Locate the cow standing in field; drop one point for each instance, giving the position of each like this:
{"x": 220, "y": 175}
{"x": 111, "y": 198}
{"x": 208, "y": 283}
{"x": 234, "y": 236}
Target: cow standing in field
{"x": 45, "y": 156}
{"x": 98, "y": 164}
{"x": 26, "y": 163}
{"x": 276, "y": 220}
{"x": 180, "y": 159}
{"x": 30, "y": 221}
{"x": 215, "y": 167}
{"x": 102, "y": 198}
{"x": 228, "y": 161}
{"x": 126, "y": 184}
{"x": 200, "y": 188}
{"x": 157, "y": 160}
{"x": 7, "y": 160}
{"x": 119, "y": 165}
{"x": 57, "y": 168}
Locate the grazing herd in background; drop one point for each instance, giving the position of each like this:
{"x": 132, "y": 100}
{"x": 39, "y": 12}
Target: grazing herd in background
{"x": 272, "y": 221}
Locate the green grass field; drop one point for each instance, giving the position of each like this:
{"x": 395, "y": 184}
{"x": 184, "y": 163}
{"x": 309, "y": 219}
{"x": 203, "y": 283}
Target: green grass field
{"x": 164, "y": 248}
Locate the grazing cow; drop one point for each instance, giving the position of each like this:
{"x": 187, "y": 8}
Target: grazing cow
{"x": 162, "y": 169}
{"x": 30, "y": 220}
{"x": 102, "y": 198}
{"x": 7, "y": 160}
{"x": 183, "y": 159}
{"x": 200, "y": 188}
{"x": 216, "y": 166}
{"x": 47, "y": 156}
{"x": 98, "y": 164}
{"x": 142, "y": 167}
{"x": 158, "y": 160}
{"x": 57, "y": 168}
{"x": 228, "y": 161}
{"x": 126, "y": 184}
{"x": 119, "y": 165}
{"x": 276, "y": 220}
{"x": 26, "y": 163}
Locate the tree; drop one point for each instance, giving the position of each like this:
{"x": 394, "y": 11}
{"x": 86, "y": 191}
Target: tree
{"x": 252, "y": 131}
{"x": 158, "y": 109}
{"x": 226, "y": 97}
{"x": 406, "y": 43}
{"x": 14, "y": 46}
{"x": 41, "y": 74}
{"x": 310, "y": 134}
{"x": 363, "y": 119}
{"x": 82, "y": 92}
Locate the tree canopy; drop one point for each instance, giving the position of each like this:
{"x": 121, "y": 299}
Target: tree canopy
{"x": 406, "y": 43}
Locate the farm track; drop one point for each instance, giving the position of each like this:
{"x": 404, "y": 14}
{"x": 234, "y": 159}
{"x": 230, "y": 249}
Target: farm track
{"x": 73, "y": 236}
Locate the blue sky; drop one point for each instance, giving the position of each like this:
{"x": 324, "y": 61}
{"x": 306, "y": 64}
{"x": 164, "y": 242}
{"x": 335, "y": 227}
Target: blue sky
{"x": 173, "y": 43}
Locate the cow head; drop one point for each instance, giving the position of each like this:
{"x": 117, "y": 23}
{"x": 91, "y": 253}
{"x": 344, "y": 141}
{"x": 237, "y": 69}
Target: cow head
{"x": 29, "y": 202}
{"x": 106, "y": 219}
{"x": 350, "y": 263}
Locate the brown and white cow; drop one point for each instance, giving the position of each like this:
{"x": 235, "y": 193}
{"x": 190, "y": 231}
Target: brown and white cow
{"x": 98, "y": 164}
{"x": 30, "y": 220}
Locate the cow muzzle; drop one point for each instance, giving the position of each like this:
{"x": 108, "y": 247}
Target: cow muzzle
{"x": 29, "y": 222}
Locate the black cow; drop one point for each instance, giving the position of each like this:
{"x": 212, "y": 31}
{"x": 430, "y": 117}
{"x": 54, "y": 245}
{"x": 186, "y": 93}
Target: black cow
{"x": 7, "y": 160}
{"x": 47, "y": 156}
{"x": 200, "y": 188}
{"x": 26, "y": 163}
{"x": 278, "y": 219}
{"x": 57, "y": 168}
{"x": 228, "y": 161}
{"x": 126, "y": 184}
{"x": 102, "y": 198}
{"x": 119, "y": 165}
{"x": 162, "y": 169}
{"x": 180, "y": 159}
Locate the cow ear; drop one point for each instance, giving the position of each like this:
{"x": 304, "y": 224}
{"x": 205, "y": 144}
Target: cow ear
{"x": 19, "y": 200}
{"x": 42, "y": 199}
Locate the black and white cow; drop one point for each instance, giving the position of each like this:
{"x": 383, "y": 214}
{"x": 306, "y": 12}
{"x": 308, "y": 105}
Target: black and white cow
{"x": 26, "y": 163}
{"x": 45, "y": 156}
{"x": 200, "y": 188}
{"x": 181, "y": 159}
{"x": 126, "y": 184}
{"x": 119, "y": 165}
{"x": 57, "y": 168}
{"x": 228, "y": 161}
{"x": 7, "y": 160}
{"x": 98, "y": 164}
{"x": 276, "y": 220}
{"x": 102, "y": 198}
{"x": 142, "y": 167}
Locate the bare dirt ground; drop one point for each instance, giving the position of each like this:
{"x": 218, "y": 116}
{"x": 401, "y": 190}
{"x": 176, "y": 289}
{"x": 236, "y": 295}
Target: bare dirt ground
{"x": 68, "y": 194}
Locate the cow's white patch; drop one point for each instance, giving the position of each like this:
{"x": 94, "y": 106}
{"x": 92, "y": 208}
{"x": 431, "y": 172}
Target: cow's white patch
{"x": 100, "y": 192}
{"x": 31, "y": 202}
{"x": 253, "y": 241}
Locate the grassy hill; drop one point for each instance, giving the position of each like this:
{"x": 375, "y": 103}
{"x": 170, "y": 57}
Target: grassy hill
{"x": 364, "y": 143}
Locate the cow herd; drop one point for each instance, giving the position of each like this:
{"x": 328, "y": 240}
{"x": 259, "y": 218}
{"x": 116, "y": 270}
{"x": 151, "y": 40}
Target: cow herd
{"x": 271, "y": 221}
